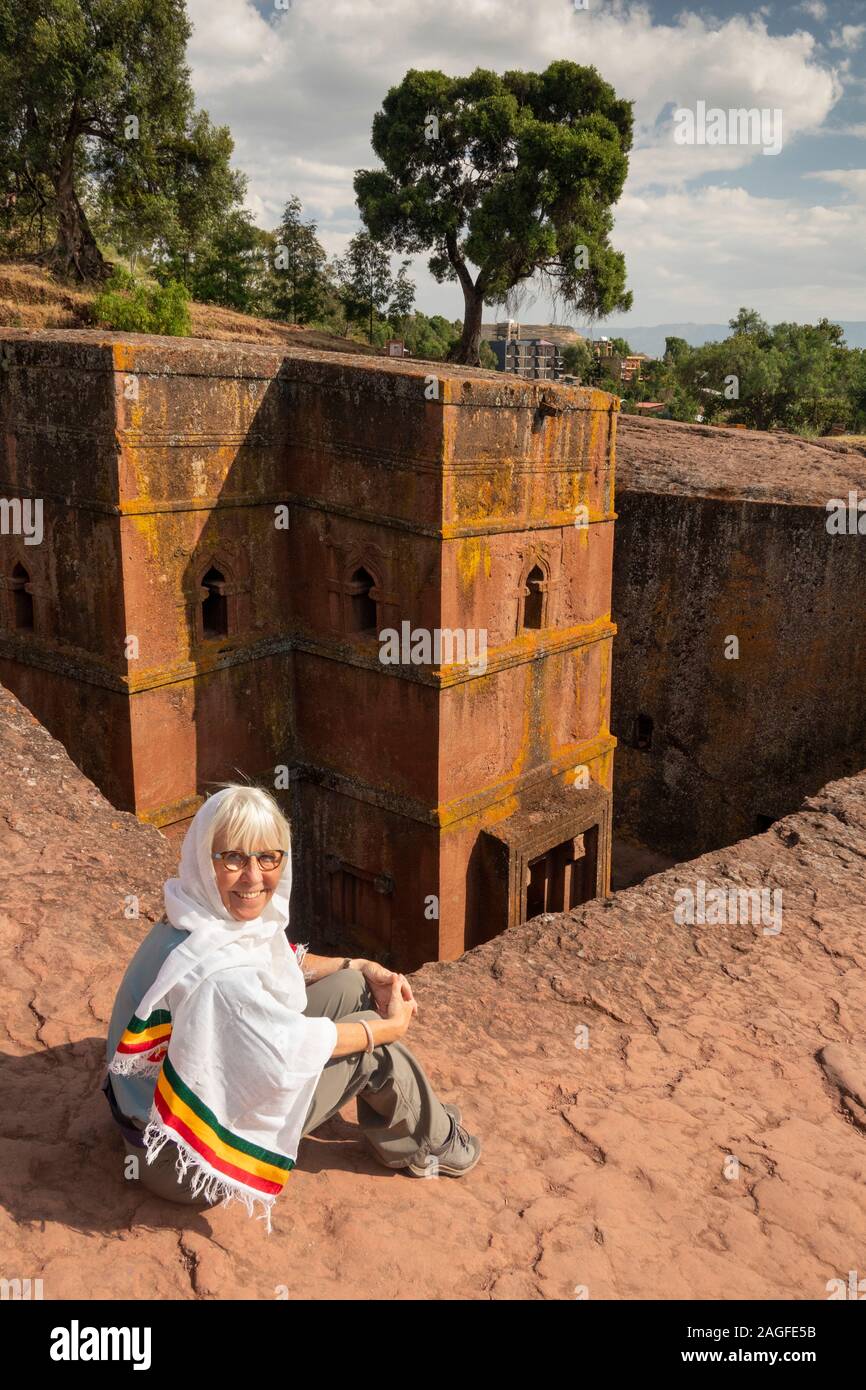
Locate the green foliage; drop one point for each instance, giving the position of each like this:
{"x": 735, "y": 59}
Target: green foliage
{"x": 676, "y": 349}
{"x": 366, "y": 283}
{"x": 431, "y": 337}
{"x": 577, "y": 360}
{"x": 620, "y": 347}
{"x": 233, "y": 269}
{"x": 798, "y": 377}
{"x": 130, "y": 306}
{"x": 402, "y": 297}
{"x": 657, "y": 380}
{"x": 300, "y": 264}
{"x": 685, "y": 405}
{"x": 781, "y": 375}
{"x": 604, "y": 382}
{"x": 514, "y": 174}
{"x": 749, "y": 321}
{"x": 98, "y": 130}
{"x": 857, "y": 390}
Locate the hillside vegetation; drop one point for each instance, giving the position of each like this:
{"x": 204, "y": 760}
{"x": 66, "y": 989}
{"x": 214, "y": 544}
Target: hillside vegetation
{"x": 32, "y": 298}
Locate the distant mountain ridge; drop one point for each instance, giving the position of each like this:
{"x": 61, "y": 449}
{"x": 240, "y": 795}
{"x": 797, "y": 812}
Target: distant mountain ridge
{"x": 651, "y": 339}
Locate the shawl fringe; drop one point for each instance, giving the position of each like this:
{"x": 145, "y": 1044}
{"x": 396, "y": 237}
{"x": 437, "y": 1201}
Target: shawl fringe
{"x": 135, "y": 1066}
{"x": 204, "y": 1180}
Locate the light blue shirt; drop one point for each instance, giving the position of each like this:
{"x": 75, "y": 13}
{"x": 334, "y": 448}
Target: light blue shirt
{"x": 134, "y": 1094}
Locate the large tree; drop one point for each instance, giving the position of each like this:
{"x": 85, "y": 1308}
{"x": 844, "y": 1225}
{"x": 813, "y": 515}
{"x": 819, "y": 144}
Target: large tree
{"x": 300, "y": 266}
{"x": 514, "y": 175}
{"x": 366, "y": 280}
{"x": 96, "y": 107}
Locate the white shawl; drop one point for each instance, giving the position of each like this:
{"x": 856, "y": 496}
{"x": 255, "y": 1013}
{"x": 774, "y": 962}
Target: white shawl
{"x": 223, "y": 1031}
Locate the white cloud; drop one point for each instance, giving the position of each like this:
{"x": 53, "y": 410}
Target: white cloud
{"x": 300, "y": 92}
{"x": 856, "y": 129}
{"x": 853, "y": 180}
{"x": 850, "y": 36}
{"x": 720, "y": 247}
{"x": 815, "y": 8}
{"x": 307, "y": 86}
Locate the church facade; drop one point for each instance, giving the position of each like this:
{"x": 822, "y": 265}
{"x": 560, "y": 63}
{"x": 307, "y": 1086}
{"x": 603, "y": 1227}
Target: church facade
{"x": 379, "y": 588}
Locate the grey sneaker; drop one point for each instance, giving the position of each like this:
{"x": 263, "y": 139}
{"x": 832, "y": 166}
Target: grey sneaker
{"x": 458, "y": 1155}
{"x": 453, "y": 1110}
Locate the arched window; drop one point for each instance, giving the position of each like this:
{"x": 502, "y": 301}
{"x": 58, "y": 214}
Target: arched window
{"x": 22, "y": 599}
{"x": 533, "y": 600}
{"x": 362, "y": 605}
{"x": 214, "y": 608}
{"x": 643, "y": 732}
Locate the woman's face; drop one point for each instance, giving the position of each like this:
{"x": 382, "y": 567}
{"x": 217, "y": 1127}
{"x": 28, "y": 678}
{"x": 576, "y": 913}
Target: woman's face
{"x": 245, "y": 892}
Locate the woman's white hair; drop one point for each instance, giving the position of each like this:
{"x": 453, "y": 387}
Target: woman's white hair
{"x": 249, "y": 819}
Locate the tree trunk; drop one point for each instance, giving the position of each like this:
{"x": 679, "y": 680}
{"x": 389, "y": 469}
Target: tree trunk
{"x": 75, "y": 254}
{"x": 468, "y": 349}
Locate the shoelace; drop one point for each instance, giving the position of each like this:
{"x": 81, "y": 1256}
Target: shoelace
{"x": 461, "y": 1134}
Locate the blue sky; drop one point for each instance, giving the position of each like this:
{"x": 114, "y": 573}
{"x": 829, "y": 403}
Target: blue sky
{"x": 704, "y": 228}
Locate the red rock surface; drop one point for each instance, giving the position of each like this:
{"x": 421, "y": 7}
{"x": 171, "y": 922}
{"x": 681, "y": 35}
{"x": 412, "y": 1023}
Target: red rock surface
{"x": 718, "y": 461}
{"x": 602, "y": 1167}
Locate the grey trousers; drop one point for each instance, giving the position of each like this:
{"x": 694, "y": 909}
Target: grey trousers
{"x": 398, "y": 1112}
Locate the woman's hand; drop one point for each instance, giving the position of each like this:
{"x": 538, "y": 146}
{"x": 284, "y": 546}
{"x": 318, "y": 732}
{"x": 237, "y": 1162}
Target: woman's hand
{"x": 380, "y": 982}
{"x": 399, "y": 1009}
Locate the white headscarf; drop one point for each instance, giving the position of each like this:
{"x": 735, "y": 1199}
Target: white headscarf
{"x": 193, "y": 904}
{"x": 223, "y": 1030}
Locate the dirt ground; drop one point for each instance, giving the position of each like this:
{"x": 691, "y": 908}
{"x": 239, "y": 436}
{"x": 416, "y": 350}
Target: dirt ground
{"x": 671, "y": 1111}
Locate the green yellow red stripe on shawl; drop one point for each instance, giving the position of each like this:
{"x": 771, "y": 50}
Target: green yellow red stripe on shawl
{"x": 239, "y": 1161}
{"x": 145, "y": 1035}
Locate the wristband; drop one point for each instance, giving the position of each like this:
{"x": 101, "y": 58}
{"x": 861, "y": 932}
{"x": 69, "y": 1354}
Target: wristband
{"x": 368, "y": 1030}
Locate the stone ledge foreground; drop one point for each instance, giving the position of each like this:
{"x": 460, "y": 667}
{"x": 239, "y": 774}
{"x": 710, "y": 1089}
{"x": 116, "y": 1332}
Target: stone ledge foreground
{"x": 601, "y": 1167}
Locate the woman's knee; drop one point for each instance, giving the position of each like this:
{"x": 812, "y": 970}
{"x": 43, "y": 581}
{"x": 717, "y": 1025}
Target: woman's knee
{"x": 362, "y": 989}
{"x": 350, "y": 989}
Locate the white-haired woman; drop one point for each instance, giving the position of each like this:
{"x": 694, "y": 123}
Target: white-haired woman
{"x": 223, "y": 1051}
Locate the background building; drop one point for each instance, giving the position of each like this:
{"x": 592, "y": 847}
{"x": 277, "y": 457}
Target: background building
{"x": 228, "y": 529}
{"x": 535, "y": 358}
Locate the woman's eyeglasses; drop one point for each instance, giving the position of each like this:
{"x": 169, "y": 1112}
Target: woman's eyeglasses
{"x": 233, "y": 860}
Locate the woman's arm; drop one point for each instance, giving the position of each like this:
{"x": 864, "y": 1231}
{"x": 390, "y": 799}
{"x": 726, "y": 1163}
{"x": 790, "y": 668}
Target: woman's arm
{"x": 352, "y": 1037}
{"x": 317, "y": 967}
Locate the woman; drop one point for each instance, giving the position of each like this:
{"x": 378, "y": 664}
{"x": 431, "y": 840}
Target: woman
{"x": 219, "y": 1056}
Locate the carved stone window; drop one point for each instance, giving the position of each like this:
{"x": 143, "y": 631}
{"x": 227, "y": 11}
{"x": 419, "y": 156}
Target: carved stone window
{"x": 362, "y": 607}
{"x": 643, "y": 732}
{"x": 214, "y": 608}
{"x": 534, "y": 610}
{"x": 358, "y": 603}
{"x": 22, "y": 599}
{"x": 533, "y": 601}
{"x": 213, "y": 602}
{"x": 359, "y": 578}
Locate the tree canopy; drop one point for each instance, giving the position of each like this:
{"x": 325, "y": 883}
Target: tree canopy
{"x": 513, "y": 174}
{"x": 97, "y": 119}
{"x": 799, "y": 377}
